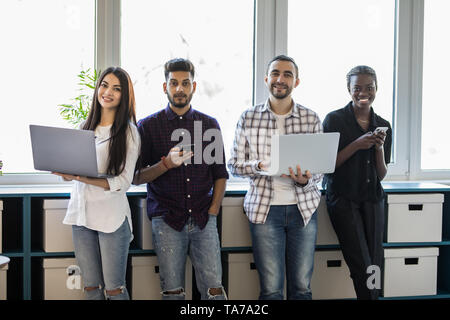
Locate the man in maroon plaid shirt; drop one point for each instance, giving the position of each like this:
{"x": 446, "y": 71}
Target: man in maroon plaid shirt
{"x": 185, "y": 186}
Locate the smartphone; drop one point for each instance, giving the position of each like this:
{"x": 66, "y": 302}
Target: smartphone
{"x": 379, "y": 129}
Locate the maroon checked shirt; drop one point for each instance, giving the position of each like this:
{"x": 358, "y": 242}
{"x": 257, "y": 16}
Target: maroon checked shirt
{"x": 186, "y": 190}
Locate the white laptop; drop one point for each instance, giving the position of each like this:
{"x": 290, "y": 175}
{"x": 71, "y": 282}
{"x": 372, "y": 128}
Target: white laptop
{"x": 64, "y": 150}
{"x": 315, "y": 152}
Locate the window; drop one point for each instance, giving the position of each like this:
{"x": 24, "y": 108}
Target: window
{"x": 45, "y": 44}
{"x": 216, "y": 36}
{"x": 435, "y": 149}
{"x": 327, "y": 38}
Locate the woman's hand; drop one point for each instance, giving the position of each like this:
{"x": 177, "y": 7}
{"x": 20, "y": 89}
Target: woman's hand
{"x": 366, "y": 141}
{"x": 98, "y": 182}
{"x": 380, "y": 136}
{"x": 67, "y": 177}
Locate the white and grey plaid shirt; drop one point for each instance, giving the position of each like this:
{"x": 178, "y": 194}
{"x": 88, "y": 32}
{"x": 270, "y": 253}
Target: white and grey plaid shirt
{"x": 252, "y": 144}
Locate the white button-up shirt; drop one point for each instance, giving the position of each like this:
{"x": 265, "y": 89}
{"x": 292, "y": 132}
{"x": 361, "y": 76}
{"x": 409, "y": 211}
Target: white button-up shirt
{"x": 96, "y": 208}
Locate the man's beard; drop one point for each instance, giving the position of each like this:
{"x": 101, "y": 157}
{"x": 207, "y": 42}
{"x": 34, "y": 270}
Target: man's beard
{"x": 182, "y": 104}
{"x": 281, "y": 95}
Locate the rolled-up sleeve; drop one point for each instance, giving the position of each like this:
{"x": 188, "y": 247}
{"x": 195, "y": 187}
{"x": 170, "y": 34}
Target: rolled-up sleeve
{"x": 219, "y": 170}
{"x": 239, "y": 163}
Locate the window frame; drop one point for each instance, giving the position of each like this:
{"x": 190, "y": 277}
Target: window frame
{"x": 270, "y": 39}
{"x": 415, "y": 129}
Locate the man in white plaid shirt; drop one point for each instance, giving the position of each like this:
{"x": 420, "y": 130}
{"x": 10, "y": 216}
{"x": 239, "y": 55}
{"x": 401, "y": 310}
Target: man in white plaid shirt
{"x": 281, "y": 210}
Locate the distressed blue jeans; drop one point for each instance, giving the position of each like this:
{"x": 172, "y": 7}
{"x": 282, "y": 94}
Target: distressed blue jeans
{"x": 102, "y": 258}
{"x": 172, "y": 248}
{"x": 283, "y": 245}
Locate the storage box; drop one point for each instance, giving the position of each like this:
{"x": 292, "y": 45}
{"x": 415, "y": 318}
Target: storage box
{"x": 235, "y": 224}
{"x": 142, "y": 225}
{"x": 331, "y": 277}
{"x": 3, "y": 282}
{"x": 243, "y": 280}
{"x": 62, "y": 279}
{"x": 145, "y": 279}
{"x": 1, "y": 226}
{"x": 410, "y": 272}
{"x": 325, "y": 231}
{"x": 414, "y": 217}
{"x": 57, "y": 236}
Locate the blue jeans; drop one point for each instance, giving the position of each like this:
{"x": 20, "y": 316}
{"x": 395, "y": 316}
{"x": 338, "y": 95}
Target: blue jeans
{"x": 283, "y": 245}
{"x": 102, "y": 258}
{"x": 203, "y": 247}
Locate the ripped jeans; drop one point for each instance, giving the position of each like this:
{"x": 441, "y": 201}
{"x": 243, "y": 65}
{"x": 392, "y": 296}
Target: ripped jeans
{"x": 203, "y": 247}
{"x": 102, "y": 258}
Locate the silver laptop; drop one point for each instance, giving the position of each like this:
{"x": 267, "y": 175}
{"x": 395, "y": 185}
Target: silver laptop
{"x": 64, "y": 150}
{"x": 315, "y": 152}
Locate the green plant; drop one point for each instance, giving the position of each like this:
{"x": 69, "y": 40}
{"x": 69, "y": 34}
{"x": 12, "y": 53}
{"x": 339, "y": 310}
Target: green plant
{"x": 78, "y": 110}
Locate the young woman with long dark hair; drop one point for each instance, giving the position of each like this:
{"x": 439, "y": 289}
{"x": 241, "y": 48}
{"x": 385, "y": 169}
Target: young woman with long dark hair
{"x": 98, "y": 208}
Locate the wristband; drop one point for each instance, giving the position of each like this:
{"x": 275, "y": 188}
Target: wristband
{"x": 163, "y": 160}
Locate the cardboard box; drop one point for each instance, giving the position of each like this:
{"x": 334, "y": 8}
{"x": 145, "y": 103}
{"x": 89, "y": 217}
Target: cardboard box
{"x": 57, "y": 236}
{"x": 325, "y": 231}
{"x": 235, "y": 225}
{"x": 243, "y": 280}
{"x": 414, "y": 217}
{"x": 3, "y": 282}
{"x": 145, "y": 278}
{"x": 410, "y": 272}
{"x": 331, "y": 276}
{"x": 62, "y": 279}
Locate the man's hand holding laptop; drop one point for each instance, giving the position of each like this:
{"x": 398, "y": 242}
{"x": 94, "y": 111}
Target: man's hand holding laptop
{"x": 298, "y": 177}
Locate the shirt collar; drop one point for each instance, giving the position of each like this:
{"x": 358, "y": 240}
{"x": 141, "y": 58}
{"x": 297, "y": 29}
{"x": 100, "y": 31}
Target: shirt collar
{"x": 294, "y": 111}
{"x": 373, "y": 120}
{"x": 172, "y": 115}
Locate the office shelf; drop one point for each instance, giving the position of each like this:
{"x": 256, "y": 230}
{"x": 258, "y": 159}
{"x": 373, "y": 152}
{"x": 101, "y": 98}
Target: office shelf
{"x": 416, "y": 244}
{"x": 13, "y": 254}
{"x": 52, "y": 254}
{"x": 22, "y": 229}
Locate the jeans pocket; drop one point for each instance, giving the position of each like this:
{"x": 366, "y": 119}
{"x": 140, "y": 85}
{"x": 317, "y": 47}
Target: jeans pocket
{"x": 212, "y": 218}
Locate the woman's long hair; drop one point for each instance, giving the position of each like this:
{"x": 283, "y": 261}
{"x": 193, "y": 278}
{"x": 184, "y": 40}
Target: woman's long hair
{"x": 125, "y": 114}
